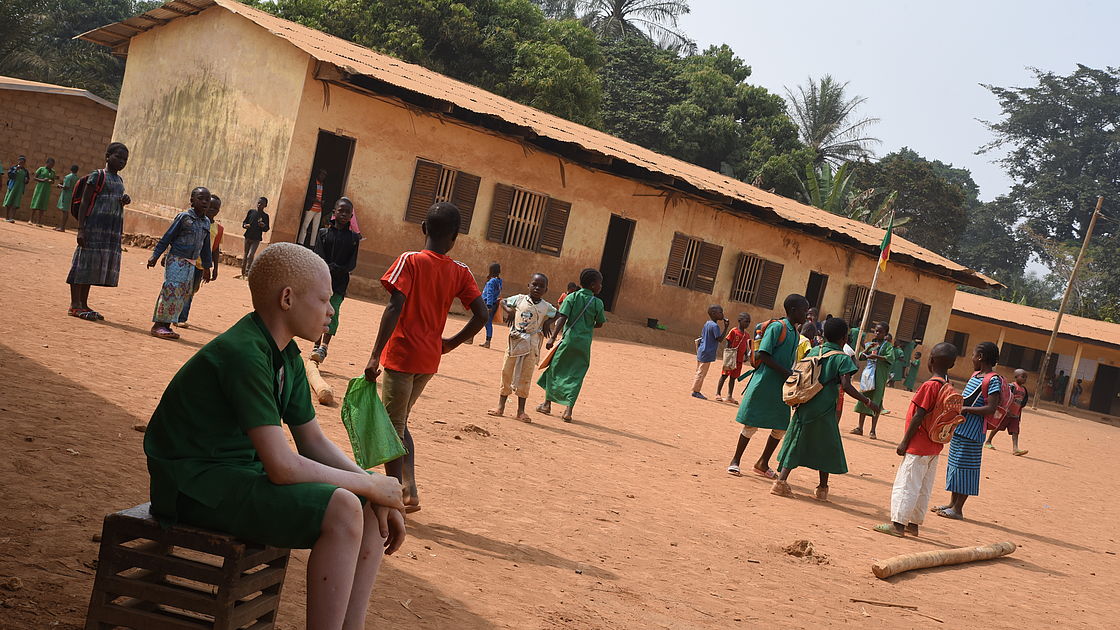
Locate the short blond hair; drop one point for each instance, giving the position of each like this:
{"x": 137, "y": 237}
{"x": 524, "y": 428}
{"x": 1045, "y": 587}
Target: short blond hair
{"x": 282, "y": 265}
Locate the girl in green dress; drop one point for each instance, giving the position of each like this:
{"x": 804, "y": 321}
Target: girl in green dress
{"x": 881, "y": 352}
{"x": 41, "y": 196}
{"x": 580, "y": 314}
{"x": 17, "y": 182}
{"x": 813, "y": 439}
{"x": 912, "y": 371}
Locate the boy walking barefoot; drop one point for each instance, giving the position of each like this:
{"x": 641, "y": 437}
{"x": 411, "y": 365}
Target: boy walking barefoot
{"x": 813, "y": 439}
{"x": 531, "y": 317}
{"x": 580, "y": 315}
{"x": 762, "y": 406}
{"x": 739, "y": 340}
{"x": 219, "y": 459}
{"x": 187, "y": 238}
{"x": 913, "y": 484}
{"x": 706, "y": 347}
{"x": 338, "y": 246}
{"x": 1011, "y": 422}
{"x": 421, "y": 285}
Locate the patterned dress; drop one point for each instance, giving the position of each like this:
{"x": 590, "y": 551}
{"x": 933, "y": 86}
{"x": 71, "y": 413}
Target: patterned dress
{"x": 962, "y": 475}
{"x": 98, "y": 262}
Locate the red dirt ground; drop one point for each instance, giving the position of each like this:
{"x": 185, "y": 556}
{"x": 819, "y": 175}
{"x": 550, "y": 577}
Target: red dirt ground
{"x": 623, "y": 519}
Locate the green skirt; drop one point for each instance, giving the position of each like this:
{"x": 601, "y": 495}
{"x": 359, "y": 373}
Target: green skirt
{"x": 815, "y": 444}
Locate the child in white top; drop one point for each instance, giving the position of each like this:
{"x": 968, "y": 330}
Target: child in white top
{"x": 532, "y": 318}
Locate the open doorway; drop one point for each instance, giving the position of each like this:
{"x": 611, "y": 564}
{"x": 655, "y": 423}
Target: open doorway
{"x": 814, "y": 291}
{"x": 1105, "y": 387}
{"x": 615, "y": 251}
{"x": 333, "y": 153}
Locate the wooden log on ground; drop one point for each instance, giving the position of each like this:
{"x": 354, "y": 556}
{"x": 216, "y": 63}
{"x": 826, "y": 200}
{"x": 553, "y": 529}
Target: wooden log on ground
{"x": 940, "y": 558}
{"x": 322, "y": 390}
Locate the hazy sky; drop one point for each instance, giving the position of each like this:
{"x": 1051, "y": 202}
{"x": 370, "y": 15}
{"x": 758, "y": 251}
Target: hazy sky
{"x": 920, "y": 64}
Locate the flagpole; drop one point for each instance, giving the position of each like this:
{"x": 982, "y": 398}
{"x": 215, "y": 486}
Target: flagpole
{"x": 871, "y": 292}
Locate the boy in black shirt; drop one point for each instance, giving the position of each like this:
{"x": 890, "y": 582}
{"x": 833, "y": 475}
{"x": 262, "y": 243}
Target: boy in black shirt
{"x": 338, "y": 246}
{"x": 255, "y": 224}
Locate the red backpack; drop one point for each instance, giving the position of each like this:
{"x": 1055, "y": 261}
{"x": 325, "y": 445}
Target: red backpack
{"x": 945, "y": 416}
{"x": 994, "y": 420}
{"x": 80, "y": 190}
{"x": 759, "y": 331}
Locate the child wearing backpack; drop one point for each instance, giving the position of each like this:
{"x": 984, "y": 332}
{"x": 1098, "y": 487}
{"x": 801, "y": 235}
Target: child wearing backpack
{"x": 983, "y": 396}
{"x": 813, "y": 439}
{"x": 1019, "y": 398}
{"x": 933, "y": 411}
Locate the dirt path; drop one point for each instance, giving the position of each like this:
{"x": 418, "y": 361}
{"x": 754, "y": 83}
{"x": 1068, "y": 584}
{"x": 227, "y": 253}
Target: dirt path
{"x": 622, "y": 519}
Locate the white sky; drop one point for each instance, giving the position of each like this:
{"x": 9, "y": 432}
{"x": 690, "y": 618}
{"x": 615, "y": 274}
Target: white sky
{"x": 918, "y": 63}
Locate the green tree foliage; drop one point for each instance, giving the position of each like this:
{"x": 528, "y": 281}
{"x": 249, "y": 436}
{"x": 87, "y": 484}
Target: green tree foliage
{"x": 833, "y": 191}
{"x": 826, "y": 119}
{"x": 654, "y": 19}
{"x": 36, "y": 42}
{"x": 504, "y": 46}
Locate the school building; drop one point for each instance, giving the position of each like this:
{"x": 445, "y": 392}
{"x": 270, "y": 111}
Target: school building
{"x": 220, "y": 94}
{"x": 42, "y": 120}
{"x": 1085, "y": 349}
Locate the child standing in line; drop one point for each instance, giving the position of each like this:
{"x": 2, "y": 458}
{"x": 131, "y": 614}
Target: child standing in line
{"x": 491, "y": 293}
{"x": 216, "y": 233}
{"x": 880, "y": 351}
{"x": 97, "y": 258}
{"x": 706, "y": 345}
{"x": 338, "y": 246}
{"x": 912, "y": 371}
{"x": 813, "y": 439}
{"x": 962, "y": 475}
{"x": 41, "y": 196}
{"x": 580, "y": 315}
{"x": 186, "y": 239}
{"x": 762, "y": 406}
{"x": 913, "y": 484}
{"x": 1011, "y": 422}
{"x": 17, "y": 183}
{"x": 739, "y": 340}
{"x": 421, "y": 285}
{"x": 66, "y": 196}
{"x": 255, "y": 225}
{"x": 531, "y": 317}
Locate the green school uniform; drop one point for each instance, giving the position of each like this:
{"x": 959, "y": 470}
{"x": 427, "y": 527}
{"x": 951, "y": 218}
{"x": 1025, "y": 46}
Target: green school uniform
{"x": 898, "y": 371}
{"x": 203, "y": 467}
{"x": 41, "y": 196}
{"x": 762, "y": 404}
{"x": 813, "y": 439}
{"x": 912, "y": 374}
{"x": 882, "y": 375}
{"x": 14, "y": 195}
{"x": 67, "y": 193}
{"x": 562, "y": 380}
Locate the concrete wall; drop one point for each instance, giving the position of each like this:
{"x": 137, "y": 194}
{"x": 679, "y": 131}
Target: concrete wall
{"x": 71, "y": 129}
{"x": 208, "y": 100}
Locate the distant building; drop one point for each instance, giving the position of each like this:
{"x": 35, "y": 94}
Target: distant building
{"x": 1085, "y": 349}
{"x": 220, "y": 94}
{"x": 42, "y": 120}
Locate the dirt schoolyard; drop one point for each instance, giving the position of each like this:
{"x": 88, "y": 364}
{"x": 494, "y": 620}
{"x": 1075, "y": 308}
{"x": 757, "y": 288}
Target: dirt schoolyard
{"x": 625, "y": 518}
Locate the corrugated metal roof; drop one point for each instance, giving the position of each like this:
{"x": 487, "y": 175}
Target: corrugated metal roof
{"x": 12, "y": 83}
{"x": 353, "y": 59}
{"x": 987, "y": 309}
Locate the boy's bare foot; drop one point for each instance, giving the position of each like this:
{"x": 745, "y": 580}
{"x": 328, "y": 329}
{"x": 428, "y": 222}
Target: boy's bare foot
{"x": 912, "y": 529}
{"x": 497, "y": 413}
{"x": 524, "y": 417}
{"x": 719, "y": 398}
{"x": 782, "y": 489}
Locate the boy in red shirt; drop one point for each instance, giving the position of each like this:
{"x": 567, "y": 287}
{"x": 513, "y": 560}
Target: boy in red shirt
{"x": 914, "y": 482}
{"x": 739, "y": 340}
{"x": 421, "y": 285}
{"x": 1019, "y": 398}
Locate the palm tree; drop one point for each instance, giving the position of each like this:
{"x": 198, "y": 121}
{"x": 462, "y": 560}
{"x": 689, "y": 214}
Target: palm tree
{"x": 653, "y": 19}
{"x": 824, "y": 117}
{"x": 832, "y": 191}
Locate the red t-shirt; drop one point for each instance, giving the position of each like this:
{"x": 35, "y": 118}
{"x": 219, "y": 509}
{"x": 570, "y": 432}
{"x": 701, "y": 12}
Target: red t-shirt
{"x": 741, "y": 342}
{"x": 430, "y": 283}
{"x": 926, "y": 398}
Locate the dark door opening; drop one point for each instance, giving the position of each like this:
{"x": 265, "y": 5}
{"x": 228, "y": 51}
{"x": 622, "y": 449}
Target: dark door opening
{"x": 333, "y": 153}
{"x": 814, "y": 291}
{"x": 615, "y": 251}
{"x": 1105, "y": 387}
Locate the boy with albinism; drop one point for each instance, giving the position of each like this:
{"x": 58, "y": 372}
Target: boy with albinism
{"x": 219, "y": 459}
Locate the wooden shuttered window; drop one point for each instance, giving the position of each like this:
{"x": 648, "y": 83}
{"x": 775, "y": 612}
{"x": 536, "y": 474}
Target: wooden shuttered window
{"x": 528, "y": 220}
{"x": 756, "y": 281}
{"x": 912, "y": 321}
{"x": 882, "y": 305}
{"x": 434, "y": 182}
{"x": 960, "y": 340}
{"x": 693, "y": 263}
{"x": 854, "y": 303}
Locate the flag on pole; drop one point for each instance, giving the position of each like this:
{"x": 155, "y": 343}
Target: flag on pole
{"x": 885, "y": 247}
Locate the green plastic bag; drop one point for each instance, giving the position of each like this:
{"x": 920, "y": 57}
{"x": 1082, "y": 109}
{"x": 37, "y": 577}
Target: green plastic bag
{"x": 371, "y": 432}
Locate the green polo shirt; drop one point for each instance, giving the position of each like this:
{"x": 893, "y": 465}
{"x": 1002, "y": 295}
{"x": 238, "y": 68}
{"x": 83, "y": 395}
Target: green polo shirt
{"x": 197, "y": 442}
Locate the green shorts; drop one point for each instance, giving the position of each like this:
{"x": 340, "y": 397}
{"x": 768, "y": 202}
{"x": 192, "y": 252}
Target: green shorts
{"x": 255, "y": 509}
{"x": 336, "y": 304}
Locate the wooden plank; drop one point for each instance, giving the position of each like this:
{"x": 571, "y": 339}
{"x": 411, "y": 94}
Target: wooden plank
{"x": 464, "y": 196}
{"x": 146, "y": 558}
{"x": 266, "y": 555}
{"x": 253, "y": 610}
{"x": 425, "y": 181}
{"x": 175, "y": 595}
{"x": 499, "y": 213}
{"x": 128, "y": 617}
{"x": 882, "y": 305}
{"x": 248, "y": 584}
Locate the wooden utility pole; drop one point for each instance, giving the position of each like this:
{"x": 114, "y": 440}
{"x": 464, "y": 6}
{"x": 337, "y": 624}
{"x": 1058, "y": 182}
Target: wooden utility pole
{"x": 1062, "y": 308}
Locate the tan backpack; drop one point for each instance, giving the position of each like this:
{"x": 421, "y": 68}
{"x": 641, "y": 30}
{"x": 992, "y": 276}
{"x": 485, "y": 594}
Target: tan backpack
{"x": 804, "y": 383}
{"x": 943, "y": 419}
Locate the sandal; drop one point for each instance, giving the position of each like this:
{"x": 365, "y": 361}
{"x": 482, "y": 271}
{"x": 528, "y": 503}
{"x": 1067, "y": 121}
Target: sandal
{"x": 768, "y": 473}
{"x": 938, "y": 508}
{"x": 989, "y": 445}
{"x": 950, "y": 513}
{"x": 164, "y": 333}
{"x": 872, "y": 436}
{"x": 1020, "y": 453}
{"x": 733, "y": 469}
{"x": 856, "y": 431}
{"x": 782, "y": 489}
{"x": 888, "y": 529}
{"x": 820, "y": 494}
{"x": 84, "y": 313}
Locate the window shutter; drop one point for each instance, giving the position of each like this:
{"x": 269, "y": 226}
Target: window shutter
{"x": 851, "y": 306}
{"x": 707, "y": 266}
{"x": 923, "y": 320}
{"x": 553, "y": 226}
{"x": 499, "y": 213}
{"x": 882, "y": 307}
{"x": 676, "y": 259}
{"x": 464, "y": 196}
{"x": 424, "y": 184}
{"x": 768, "y": 285}
{"x": 908, "y": 320}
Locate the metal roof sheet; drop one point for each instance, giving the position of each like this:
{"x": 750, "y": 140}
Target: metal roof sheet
{"x": 357, "y": 60}
{"x": 12, "y": 83}
{"x": 1036, "y": 319}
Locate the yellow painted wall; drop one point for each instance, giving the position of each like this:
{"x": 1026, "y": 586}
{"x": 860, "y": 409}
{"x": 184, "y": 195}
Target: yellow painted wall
{"x": 390, "y": 138}
{"x": 207, "y": 100}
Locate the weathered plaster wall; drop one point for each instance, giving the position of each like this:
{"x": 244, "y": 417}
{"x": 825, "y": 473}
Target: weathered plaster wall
{"x": 208, "y": 100}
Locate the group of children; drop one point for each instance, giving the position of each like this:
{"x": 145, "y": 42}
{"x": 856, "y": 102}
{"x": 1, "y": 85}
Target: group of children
{"x": 44, "y": 177}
